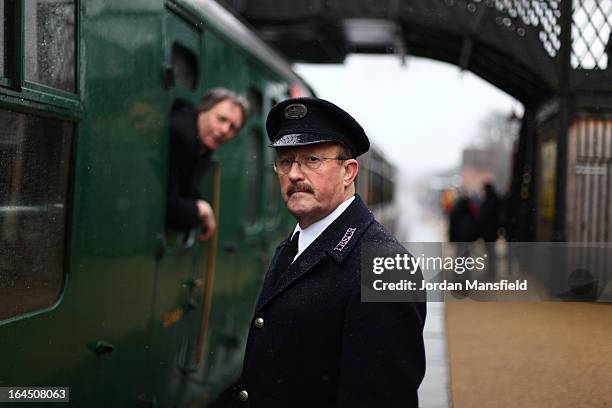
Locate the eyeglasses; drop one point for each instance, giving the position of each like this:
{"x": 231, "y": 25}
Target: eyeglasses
{"x": 283, "y": 166}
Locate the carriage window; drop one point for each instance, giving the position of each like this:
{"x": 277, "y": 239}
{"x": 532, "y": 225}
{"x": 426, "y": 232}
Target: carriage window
{"x": 34, "y": 166}
{"x": 254, "y": 175}
{"x": 255, "y": 100}
{"x": 185, "y": 66}
{"x": 3, "y": 29}
{"x": 7, "y": 37}
{"x": 50, "y": 43}
{"x": 273, "y": 193}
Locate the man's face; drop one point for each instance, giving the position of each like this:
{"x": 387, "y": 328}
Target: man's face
{"x": 220, "y": 124}
{"x": 311, "y": 194}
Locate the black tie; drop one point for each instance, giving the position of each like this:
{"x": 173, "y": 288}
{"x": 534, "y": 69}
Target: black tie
{"x": 289, "y": 252}
{"x": 285, "y": 258}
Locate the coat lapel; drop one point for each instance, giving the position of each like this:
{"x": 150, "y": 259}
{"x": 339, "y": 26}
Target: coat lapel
{"x": 336, "y": 241}
{"x": 267, "y": 289}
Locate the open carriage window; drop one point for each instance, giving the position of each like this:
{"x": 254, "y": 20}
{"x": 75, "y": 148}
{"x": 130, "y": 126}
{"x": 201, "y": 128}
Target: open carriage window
{"x": 184, "y": 66}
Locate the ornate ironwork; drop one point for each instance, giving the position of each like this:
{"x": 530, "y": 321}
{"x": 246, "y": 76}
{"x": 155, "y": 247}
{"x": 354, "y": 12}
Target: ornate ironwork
{"x": 591, "y": 34}
{"x": 523, "y": 14}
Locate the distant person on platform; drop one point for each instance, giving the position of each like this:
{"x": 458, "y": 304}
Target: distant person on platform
{"x": 488, "y": 225}
{"x": 488, "y": 216}
{"x": 194, "y": 135}
{"x": 313, "y": 343}
{"x": 463, "y": 226}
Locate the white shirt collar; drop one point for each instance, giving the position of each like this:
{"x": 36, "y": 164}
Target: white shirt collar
{"x": 312, "y": 232}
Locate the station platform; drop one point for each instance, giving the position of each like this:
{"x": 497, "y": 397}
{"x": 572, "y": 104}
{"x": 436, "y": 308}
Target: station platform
{"x": 416, "y": 224}
{"x": 511, "y": 354}
{"x": 528, "y": 354}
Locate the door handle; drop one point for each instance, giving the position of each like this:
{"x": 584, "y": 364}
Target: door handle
{"x": 102, "y": 347}
{"x": 184, "y": 243}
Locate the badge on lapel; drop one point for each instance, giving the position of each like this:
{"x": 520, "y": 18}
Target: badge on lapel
{"x": 345, "y": 239}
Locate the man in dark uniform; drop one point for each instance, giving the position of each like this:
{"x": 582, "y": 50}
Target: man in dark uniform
{"x": 312, "y": 342}
{"x": 194, "y": 135}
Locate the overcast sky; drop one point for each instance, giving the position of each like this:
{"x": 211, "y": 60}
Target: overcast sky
{"x": 421, "y": 114}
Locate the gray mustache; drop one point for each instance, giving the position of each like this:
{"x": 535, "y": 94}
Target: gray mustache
{"x": 299, "y": 187}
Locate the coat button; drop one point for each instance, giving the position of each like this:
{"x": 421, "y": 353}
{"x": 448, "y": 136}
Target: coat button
{"x": 243, "y": 395}
{"x": 259, "y": 322}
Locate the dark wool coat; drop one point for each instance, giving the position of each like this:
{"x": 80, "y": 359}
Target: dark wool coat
{"x": 319, "y": 345}
{"x": 189, "y": 161}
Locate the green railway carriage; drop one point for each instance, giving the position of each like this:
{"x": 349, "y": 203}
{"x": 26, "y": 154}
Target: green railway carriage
{"x": 95, "y": 295}
{"x": 376, "y": 185}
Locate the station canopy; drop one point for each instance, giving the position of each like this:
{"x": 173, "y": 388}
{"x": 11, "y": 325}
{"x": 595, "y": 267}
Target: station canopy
{"x": 530, "y": 49}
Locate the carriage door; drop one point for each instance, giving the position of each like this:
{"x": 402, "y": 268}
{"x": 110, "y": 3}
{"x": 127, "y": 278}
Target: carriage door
{"x": 181, "y": 260}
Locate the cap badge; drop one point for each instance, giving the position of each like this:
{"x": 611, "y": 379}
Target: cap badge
{"x": 295, "y": 111}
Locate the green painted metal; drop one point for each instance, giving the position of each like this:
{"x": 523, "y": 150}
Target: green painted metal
{"x": 21, "y": 101}
{"x": 121, "y": 289}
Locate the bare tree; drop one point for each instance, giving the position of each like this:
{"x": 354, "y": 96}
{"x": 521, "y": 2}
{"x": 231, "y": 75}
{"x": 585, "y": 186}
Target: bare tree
{"x": 497, "y": 133}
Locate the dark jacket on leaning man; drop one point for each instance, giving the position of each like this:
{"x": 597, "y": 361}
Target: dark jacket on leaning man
{"x": 320, "y": 346}
{"x": 189, "y": 162}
